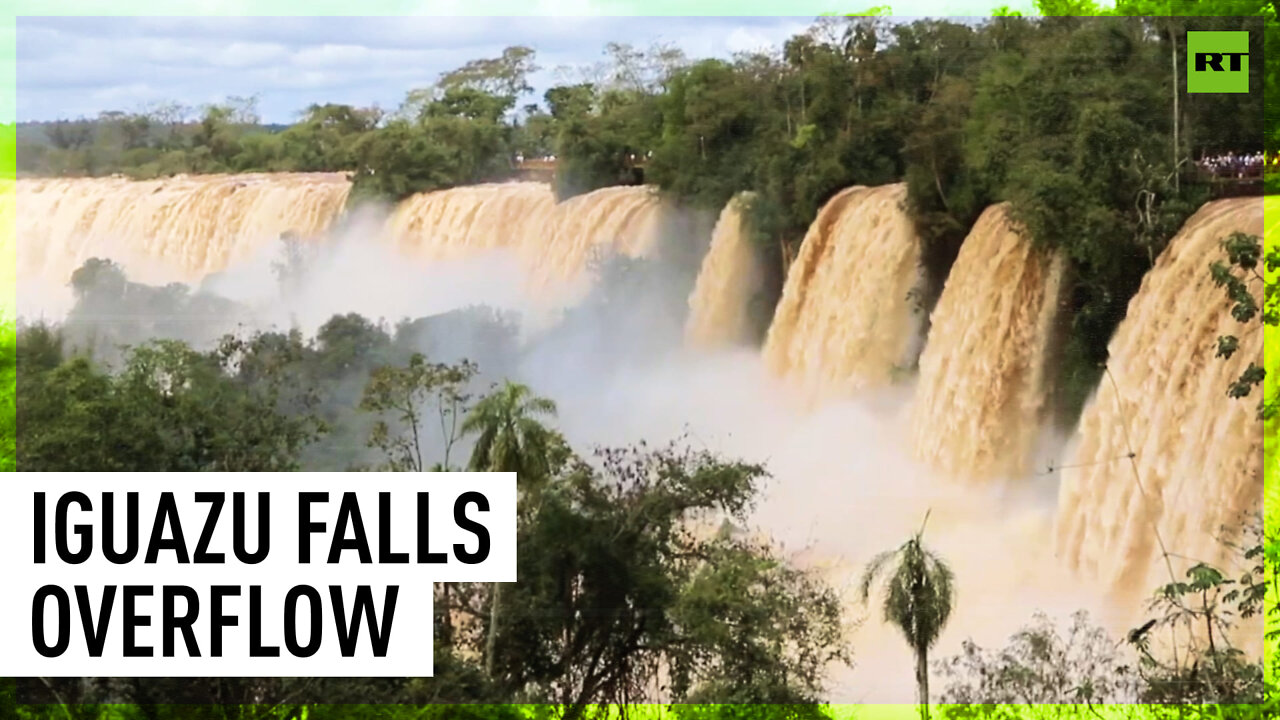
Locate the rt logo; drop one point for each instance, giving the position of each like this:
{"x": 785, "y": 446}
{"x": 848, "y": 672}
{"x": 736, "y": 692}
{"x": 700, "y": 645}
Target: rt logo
{"x": 1218, "y": 62}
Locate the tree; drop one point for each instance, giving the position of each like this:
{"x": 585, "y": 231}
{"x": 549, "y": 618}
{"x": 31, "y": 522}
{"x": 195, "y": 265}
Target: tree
{"x": 170, "y": 409}
{"x": 918, "y": 600}
{"x": 1067, "y": 8}
{"x": 502, "y": 80}
{"x": 112, "y": 312}
{"x": 131, "y": 130}
{"x": 470, "y": 103}
{"x": 169, "y": 116}
{"x": 510, "y": 439}
{"x": 220, "y": 131}
{"x": 69, "y": 134}
{"x": 406, "y": 393}
{"x": 1202, "y": 609}
{"x": 506, "y": 75}
{"x": 1244, "y": 254}
{"x": 323, "y": 138}
{"x": 1240, "y": 278}
{"x": 1041, "y": 665}
{"x": 397, "y": 161}
{"x": 742, "y": 584}
{"x": 569, "y": 102}
{"x": 620, "y": 576}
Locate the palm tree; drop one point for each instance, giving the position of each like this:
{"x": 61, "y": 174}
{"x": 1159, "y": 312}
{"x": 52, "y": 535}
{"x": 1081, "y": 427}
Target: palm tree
{"x": 510, "y": 440}
{"x": 510, "y": 437}
{"x": 918, "y": 600}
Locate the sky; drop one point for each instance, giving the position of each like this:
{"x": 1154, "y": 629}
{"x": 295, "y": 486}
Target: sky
{"x": 70, "y": 67}
{"x": 73, "y": 66}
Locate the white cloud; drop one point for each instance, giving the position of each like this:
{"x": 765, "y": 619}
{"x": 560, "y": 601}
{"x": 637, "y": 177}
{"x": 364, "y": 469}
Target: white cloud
{"x": 248, "y": 54}
{"x": 76, "y": 66}
{"x": 125, "y": 95}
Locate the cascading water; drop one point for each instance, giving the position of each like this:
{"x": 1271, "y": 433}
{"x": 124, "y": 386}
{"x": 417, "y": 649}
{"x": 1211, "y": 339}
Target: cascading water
{"x": 730, "y": 274}
{"x": 554, "y": 241}
{"x": 846, "y": 320}
{"x": 184, "y": 228}
{"x": 453, "y": 223}
{"x": 174, "y": 229}
{"x": 1161, "y": 445}
{"x": 981, "y": 395}
{"x": 625, "y": 219}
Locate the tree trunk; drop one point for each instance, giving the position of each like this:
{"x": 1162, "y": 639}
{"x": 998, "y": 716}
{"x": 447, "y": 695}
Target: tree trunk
{"x": 922, "y": 681}
{"x": 787, "y": 95}
{"x": 446, "y": 622}
{"x": 56, "y": 696}
{"x": 937, "y": 183}
{"x": 491, "y": 640}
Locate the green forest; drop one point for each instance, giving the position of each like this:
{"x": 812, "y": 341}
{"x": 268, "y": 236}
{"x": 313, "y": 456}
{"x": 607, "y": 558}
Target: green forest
{"x": 1070, "y": 120}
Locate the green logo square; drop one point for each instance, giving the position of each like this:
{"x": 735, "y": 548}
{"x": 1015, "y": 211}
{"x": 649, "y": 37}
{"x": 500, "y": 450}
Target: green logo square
{"x": 1218, "y": 62}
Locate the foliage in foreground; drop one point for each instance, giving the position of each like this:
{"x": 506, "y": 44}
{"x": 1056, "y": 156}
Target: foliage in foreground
{"x": 623, "y": 572}
{"x": 919, "y": 594}
{"x": 722, "y": 616}
{"x": 1080, "y": 664}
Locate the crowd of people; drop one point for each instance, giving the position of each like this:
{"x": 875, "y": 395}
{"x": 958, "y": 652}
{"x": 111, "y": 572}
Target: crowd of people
{"x": 1245, "y": 165}
{"x": 520, "y": 158}
{"x": 1229, "y": 165}
{"x": 633, "y": 158}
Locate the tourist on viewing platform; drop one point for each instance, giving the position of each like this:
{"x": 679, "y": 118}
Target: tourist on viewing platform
{"x": 1231, "y": 165}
